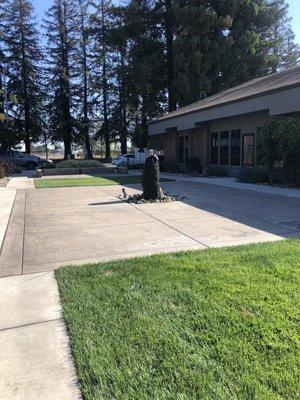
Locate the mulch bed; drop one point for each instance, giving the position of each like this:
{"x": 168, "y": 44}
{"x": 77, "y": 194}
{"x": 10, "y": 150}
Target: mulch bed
{"x": 139, "y": 199}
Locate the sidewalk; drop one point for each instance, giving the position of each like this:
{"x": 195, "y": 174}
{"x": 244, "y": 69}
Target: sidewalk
{"x": 35, "y": 361}
{"x": 21, "y": 182}
{"x": 7, "y": 198}
{"x": 232, "y": 183}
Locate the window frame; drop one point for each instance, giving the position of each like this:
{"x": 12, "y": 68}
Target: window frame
{"x": 228, "y": 132}
{"x": 240, "y": 148}
{"x": 211, "y": 147}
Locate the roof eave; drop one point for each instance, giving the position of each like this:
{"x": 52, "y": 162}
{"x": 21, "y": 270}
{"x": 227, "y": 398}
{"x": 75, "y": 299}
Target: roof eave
{"x": 166, "y": 118}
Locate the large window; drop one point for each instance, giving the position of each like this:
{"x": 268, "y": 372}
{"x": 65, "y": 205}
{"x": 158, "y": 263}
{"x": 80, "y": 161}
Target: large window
{"x": 224, "y": 148}
{"x": 214, "y": 148}
{"x": 235, "y": 158}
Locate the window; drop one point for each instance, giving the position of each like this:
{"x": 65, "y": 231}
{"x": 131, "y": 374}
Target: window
{"x": 235, "y": 147}
{"x": 214, "y": 148}
{"x": 224, "y": 148}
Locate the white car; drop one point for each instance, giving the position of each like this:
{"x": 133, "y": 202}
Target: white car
{"x": 124, "y": 160}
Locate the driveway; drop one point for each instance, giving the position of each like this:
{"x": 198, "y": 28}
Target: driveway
{"x": 49, "y": 228}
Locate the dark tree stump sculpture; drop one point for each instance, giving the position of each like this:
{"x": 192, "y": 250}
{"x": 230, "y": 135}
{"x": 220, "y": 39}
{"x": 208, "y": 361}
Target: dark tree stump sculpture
{"x": 150, "y": 179}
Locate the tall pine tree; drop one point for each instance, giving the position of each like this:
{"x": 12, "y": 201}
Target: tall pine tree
{"x": 283, "y": 51}
{"x": 83, "y": 64}
{"x": 146, "y": 69}
{"x": 101, "y": 25}
{"x": 119, "y": 44}
{"x": 23, "y": 58}
{"x": 61, "y": 32}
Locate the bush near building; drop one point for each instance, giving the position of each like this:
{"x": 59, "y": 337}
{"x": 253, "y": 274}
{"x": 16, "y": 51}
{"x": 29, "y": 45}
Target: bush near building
{"x": 279, "y": 146}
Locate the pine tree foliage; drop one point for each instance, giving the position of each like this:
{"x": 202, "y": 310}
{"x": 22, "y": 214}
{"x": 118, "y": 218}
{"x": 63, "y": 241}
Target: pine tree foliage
{"x": 101, "y": 26}
{"x": 83, "y": 65}
{"x": 283, "y": 51}
{"x": 109, "y": 68}
{"x": 61, "y": 35}
{"x": 23, "y": 57}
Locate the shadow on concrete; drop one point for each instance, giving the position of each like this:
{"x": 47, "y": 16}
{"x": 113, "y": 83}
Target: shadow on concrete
{"x": 275, "y": 214}
{"x": 106, "y": 203}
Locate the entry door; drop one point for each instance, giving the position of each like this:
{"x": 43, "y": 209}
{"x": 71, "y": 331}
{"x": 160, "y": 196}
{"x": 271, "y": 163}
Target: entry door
{"x": 248, "y": 150}
{"x": 183, "y": 149}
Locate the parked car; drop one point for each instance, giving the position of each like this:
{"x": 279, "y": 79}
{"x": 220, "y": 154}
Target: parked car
{"x": 124, "y": 160}
{"x": 21, "y": 159}
{"x": 47, "y": 163}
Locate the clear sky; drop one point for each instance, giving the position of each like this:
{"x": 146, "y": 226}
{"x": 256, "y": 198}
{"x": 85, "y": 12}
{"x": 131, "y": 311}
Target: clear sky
{"x": 42, "y": 5}
{"x": 295, "y": 13}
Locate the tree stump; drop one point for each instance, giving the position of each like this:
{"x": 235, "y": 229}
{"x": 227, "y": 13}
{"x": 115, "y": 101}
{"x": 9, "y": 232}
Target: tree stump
{"x": 150, "y": 179}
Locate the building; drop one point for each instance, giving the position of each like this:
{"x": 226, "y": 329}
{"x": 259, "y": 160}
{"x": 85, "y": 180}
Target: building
{"x": 221, "y": 130}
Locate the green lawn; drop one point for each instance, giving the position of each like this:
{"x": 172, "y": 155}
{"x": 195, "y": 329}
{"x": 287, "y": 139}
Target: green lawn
{"x": 94, "y": 181}
{"x": 212, "y": 325}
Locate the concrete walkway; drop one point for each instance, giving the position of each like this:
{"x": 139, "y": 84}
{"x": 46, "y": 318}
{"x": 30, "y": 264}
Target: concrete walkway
{"x": 7, "y": 198}
{"x": 55, "y": 227}
{"x": 49, "y": 228}
{"x": 23, "y": 181}
{"x": 35, "y": 362}
{"x": 232, "y": 183}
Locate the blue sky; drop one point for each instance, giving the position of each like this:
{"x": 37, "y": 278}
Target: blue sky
{"x": 42, "y": 5}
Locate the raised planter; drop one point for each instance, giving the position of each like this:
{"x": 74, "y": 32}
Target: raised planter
{"x": 87, "y": 171}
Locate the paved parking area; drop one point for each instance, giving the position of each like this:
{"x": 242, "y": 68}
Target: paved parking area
{"x": 54, "y": 227}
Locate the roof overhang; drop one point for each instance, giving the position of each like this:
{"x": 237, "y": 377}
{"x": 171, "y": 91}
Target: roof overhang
{"x": 279, "y": 101}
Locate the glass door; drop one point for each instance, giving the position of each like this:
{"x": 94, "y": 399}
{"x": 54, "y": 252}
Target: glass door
{"x": 248, "y": 150}
{"x": 183, "y": 150}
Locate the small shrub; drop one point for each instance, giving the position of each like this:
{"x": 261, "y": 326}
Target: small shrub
{"x": 169, "y": 166}
{"x": 78, "y": 164}
{"x": 136, "y": 166}
{"x": 252, "y": 175}
{"x": 10, "y": 168}
{"x": 279, "y": 143}
{"x": 16, "y": 169}
{"x": 2, "y": 172}
{"x": 216, "y": 171}
{"x": 194, "y": 165}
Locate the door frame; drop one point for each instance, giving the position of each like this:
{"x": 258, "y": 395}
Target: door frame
{"x": 186, "y": 146}
{"x": 243, "y": 150}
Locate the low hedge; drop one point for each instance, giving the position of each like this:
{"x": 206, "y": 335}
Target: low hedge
{"x": 135, "y": 166}
{"x": 194, "y": 165}
{"x": 2, "y": 172}
{"x": 169, "y": 166}
{"x": 79, "y": 164}
{"x": 252, "y": 175}
{"x": 215, "y": 171}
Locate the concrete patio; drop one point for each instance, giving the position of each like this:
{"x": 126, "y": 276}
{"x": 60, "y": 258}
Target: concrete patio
{"x": 48, "y": 228}
{"x": 53, "y": 227}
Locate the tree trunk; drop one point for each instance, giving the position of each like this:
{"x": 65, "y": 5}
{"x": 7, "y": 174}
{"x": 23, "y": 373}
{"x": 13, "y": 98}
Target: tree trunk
{"x": 67, "y": 149}
{"x": 86, "y": 122}
{"x": 150, "y": 179}
{"x": 65, "y": 81}
{"x": 25, "y": 99}
{"x": 104, "y": 87}
{"x": 170, "y": 55}
{"x": 124, "y": 133}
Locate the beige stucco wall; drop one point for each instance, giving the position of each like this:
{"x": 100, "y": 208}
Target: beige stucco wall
{"x": 199, "y": 137}
{"x": 247, "y": 123}
{"x": 170, "y": 146}
{"x": 199, "y": 145}
{"x": 276, "y": 103}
